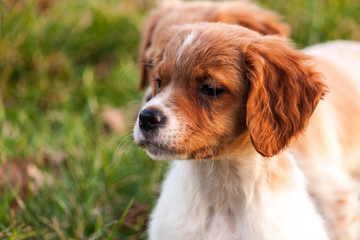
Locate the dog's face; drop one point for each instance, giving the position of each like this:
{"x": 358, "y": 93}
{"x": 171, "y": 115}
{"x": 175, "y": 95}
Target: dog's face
{"x": 215, "y": 84}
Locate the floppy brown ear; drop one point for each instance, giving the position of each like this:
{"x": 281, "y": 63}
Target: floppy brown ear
{"x": 254, "y": 18}
{"x": 284, "y": 92}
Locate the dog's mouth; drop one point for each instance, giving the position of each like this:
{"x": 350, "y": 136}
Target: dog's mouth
{"x": 158, "y": 151}
{"x": 162, "y": 152}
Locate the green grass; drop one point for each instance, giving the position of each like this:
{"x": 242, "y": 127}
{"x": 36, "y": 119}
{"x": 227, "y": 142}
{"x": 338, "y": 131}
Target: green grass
{"x": 59, "y": 67}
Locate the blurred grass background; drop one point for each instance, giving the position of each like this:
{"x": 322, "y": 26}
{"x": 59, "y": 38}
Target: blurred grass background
{"x": 64, "y": 173}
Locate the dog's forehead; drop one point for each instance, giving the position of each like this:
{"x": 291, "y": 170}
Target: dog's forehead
{"x": 195, "y": 54}
{"x": 189, "y": 41}
{"x": 191, "y": 45}
{"x": 194, "y": 51}
{"x": 206, "y": 35}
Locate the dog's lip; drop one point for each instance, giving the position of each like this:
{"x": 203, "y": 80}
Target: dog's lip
{"x": 155, "y": 146}
{"x": 159, "y": 152}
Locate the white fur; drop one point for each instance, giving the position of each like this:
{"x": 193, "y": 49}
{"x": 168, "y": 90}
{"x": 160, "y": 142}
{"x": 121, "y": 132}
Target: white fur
{"x": 219, "y": 200}
{"x": 188, "y": 40}
{"x": 344, "y": 53}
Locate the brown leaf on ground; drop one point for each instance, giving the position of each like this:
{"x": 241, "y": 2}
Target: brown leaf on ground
{"x": 22, "y": 175}
{"x": 13, "y": 174}
{"x": 114, "y": 118}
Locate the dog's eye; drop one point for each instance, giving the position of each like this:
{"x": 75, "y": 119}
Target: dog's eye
{"x": 211, "y": 90}
{"x": 148, "y": 98}
{"x": 158, "y": 82}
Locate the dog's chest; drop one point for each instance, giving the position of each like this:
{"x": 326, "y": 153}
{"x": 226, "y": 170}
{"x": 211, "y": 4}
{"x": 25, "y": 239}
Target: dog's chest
{"x": 193, "y": 209}
{"x": 186, "y": 212}
{"x": 220, "y": 224}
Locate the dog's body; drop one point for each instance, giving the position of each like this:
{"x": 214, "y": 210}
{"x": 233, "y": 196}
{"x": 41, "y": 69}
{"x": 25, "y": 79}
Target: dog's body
{"x": 232, "y": 191}
{"x": 329, "y": 151}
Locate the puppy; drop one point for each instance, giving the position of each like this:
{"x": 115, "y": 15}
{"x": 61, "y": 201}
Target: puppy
{"x": 228, "y": 101}
{"x": 179, "y": 13}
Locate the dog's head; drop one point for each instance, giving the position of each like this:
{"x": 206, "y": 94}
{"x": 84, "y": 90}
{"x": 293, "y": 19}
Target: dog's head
{"x": 241, "y": 13}
{"x": 215, "y": 84}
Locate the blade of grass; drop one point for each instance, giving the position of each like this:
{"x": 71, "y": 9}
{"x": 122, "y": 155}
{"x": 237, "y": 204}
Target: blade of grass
{"x": 121, "y": 220}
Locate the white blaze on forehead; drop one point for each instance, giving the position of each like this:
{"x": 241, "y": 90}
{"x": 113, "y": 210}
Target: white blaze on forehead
{"x": 188, "y": 40}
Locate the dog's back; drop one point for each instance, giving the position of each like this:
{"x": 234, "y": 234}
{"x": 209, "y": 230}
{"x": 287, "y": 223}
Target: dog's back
{"x": 338, "y": 117}
{"x": 329, "y": 151}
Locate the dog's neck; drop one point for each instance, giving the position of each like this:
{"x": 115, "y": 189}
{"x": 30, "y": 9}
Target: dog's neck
{"x": 234, "y": 180}
{"x": 227, "y": 181}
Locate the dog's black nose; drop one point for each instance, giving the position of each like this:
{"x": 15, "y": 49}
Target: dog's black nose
{"x": 150, "y": 119}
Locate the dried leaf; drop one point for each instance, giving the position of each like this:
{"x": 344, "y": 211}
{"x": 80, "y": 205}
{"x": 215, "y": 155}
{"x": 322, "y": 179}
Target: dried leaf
{"x": 114, "y": 118}
{"x": 22, "y": 175}
{"x": 13, "y": 174}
